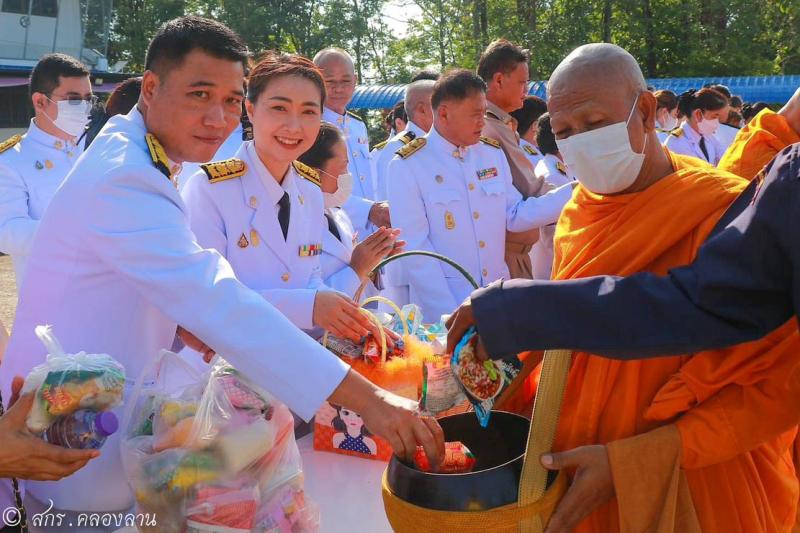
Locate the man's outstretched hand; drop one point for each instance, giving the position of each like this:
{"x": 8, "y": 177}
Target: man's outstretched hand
{"x": 26, "y": 456}
{"x": 458, "y": 324}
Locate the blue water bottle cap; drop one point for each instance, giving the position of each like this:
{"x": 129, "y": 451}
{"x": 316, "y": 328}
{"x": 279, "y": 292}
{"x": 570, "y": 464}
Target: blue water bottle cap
{"x": 106, "y": 423}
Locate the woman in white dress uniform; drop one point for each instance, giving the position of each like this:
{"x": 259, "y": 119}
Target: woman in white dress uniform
{"x": 703, "y": 110}
{"x": 666, "y": 113}
{"x": 345, "y": 264}
{"x": 263, "y": 210}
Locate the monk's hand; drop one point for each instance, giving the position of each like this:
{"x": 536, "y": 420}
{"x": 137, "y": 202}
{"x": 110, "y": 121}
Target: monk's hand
{"x": 592, "y": 485}
{"x": 26, "y": 456}
{"x": 791, "y": 111}
{"x": 196, "y": 344}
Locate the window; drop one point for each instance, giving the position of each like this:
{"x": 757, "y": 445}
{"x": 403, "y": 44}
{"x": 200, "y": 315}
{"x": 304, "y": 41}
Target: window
{"x": 40, "y": 8}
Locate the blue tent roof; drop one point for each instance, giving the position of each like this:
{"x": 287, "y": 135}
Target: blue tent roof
{"x": 770, "y": 89}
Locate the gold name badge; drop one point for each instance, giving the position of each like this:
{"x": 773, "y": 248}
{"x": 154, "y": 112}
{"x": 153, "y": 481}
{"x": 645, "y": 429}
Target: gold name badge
{"x": 449, "y": 220}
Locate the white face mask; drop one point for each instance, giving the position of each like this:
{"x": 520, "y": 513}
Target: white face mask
{"x": 344, "y": 186}
{"x": 72, "y": 117}
{"x": 602, "y": 159}
{"x": 707, "y": 126}
{"x": 670, "y": 124}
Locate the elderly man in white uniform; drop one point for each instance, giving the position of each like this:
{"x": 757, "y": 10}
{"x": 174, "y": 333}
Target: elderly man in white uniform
{"x": 115, "y": 267}
{"x": 340, "y": 79}
{"x": 451, "y": 193}
{"x": 33, "y": 165}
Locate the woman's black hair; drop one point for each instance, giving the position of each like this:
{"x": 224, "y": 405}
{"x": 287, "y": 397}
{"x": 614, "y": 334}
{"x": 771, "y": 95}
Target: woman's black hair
{"x": 322, "y": 150}
{"x": 339, "y": 425}
{"x": 705, "y": 99}
{"x": 545, "y": 139}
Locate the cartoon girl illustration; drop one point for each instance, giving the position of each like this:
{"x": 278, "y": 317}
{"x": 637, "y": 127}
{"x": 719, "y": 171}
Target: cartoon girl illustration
{"x": 355, "y": 437}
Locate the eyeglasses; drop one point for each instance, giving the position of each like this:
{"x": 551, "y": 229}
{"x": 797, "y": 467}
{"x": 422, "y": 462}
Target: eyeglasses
{"x": 74, "y": 99}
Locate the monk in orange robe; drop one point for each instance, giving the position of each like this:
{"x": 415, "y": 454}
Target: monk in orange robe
{"x": 678, "y": 443}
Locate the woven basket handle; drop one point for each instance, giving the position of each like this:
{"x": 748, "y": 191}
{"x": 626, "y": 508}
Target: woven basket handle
{"x": 425, "y": 253}
{"x": 544, "y": 421}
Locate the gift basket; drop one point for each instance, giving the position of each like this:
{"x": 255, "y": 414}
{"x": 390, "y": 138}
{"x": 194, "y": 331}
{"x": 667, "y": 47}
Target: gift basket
{"x": 506, "y": 490}
{"x": 212, "y": 451}
{"x": 340, "y": 430}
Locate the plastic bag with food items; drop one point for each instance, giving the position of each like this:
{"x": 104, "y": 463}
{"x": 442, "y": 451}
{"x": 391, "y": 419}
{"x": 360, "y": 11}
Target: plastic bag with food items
{"x": 212, "y": 451}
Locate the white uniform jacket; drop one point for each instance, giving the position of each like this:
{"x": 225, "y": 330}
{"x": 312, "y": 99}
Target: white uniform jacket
{"x": 30, "y": 172}
{"x": 554, "y": 171}
{"x": 686, "y": 141}
{"x": 336, "y": 254}
{"x": 533, "y": 154}
{"x": 238, "y": 217}
{"x": 459, "y": 202}
{"x": 360, "y": 166}
{"x": 115, "y": 268}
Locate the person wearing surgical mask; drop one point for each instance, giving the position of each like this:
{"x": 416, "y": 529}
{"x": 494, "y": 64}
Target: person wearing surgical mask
{"x": 666, "y": 114}
{"x": 346, "y": 263}
{"x": 704, "y": 109}
{"x": 33, "y": 165}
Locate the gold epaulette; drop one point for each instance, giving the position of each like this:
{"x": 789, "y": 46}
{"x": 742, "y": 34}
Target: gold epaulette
{"x": 308, "y": 173}
{"x": 677, "y": 132}
{"x": 530, "y": 149}
{"x": 490, "y": 141}
{"x": 10, "y": 143}
{"x": 353, "y": 115}
{"x": 224, "y": 170}
{"x": 158, "y": 155}
{"x": 407, "y": 137}
{"x": 406, "y": 151}
{"x": 381, "y": 145}
{"x": 561, "y": 167}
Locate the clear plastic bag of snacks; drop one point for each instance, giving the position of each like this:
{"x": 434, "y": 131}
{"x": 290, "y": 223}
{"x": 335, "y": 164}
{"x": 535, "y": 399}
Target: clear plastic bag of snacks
{"x": 211, "y": 451}
{"x": 66, "y": 383}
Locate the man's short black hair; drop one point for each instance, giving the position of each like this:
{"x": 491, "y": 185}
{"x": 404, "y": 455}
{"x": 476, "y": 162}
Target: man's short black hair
{"x": 176, "y": 38}
{"x": 425, "y": 74}
{"x": 44, "y": 76}
{"x": 532, "y": 108}
{"x": 545, "y": 139}
{"x": 456, "y": 84}
{"x": 500, "y": 56}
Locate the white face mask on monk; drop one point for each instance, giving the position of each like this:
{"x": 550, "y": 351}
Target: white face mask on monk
{"x": 602, "y": 159}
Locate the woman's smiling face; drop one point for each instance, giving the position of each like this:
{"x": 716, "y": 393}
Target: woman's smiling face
{"x": 286, "y": 118}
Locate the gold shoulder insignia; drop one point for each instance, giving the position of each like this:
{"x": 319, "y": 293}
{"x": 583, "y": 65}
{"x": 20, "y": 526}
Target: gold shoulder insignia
{"x": 10, "y": 143}
{"x": 158, "y": 155}
{"x": 381, "y": 145}
{"x": 411, "y": 147}
{"x": 224, "y": 170}
{"x": 490, "y": 141}
{"x": 677, "y": 132}
{"x": 407, "y": 137}
{"x": 353, "y": 115}
{"x": 530, "y": 150}
{"x": 561, "y": 168}
{"x": 307, "y": 172}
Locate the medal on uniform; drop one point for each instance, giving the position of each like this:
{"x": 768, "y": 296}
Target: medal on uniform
{"x": 243, "y": 243}
{"x": 449, "y": 220}
{"x": 310, "y": 250}
{"x": 48, "y": 164}
{"x": 254, "y": 237}
{"x": 487, "y": 173}
{"x": 39, "y": 165}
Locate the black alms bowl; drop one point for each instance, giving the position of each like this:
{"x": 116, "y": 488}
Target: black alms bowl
{"x": 499, "y": 450}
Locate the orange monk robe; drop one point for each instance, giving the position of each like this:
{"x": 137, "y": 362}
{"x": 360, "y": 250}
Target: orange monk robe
{"x": 757, "y": 143}
{"x": 736, "y": 461}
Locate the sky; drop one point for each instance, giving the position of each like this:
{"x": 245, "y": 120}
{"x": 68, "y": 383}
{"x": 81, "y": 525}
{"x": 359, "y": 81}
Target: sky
{"x": 397, "y": 13}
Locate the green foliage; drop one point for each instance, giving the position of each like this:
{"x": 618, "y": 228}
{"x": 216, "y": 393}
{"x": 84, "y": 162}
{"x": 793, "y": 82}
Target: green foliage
{"x": 670, "y": 38}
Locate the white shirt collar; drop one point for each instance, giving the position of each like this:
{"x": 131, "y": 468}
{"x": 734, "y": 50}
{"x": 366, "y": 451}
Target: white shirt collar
{"x": 37, "y": 134}
{"x": 274, "y": 189}
{"x": 441, "y": 144}
{"x": 416, "y": 130}
{"x": 136, "y": 117}
{"x": 334, "y": 118}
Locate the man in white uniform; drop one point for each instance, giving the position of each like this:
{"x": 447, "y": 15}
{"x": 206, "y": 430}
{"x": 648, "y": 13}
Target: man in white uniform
{"x": 451, "y": 193}
{"x": 33, "y": 165}
{"x": 340, "y": 80}
{"x": 115, "y": 267}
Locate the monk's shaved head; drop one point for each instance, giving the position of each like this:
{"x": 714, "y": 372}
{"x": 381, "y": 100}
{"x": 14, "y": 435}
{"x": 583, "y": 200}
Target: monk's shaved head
{"x": 599, "y": 65}
{"x": 417, "y": 93}
{"x": 328, "y": 56}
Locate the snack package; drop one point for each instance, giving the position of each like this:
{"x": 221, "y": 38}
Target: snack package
{"x": 66, "y": 383}
{"x": 457, "y": 459}
{"x": 482, "y": 381}
{"x": 208, "y": 451}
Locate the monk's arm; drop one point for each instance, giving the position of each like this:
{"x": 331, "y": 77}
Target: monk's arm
{"x": 744, "y": 283}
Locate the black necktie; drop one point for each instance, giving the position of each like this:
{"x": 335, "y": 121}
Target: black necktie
{"x": 703, "y": 147}
{"x": 283, "y": 213}
{"x": 332, "y": 227}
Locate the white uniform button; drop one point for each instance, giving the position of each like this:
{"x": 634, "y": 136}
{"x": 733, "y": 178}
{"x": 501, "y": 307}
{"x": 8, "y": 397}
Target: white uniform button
{"x": 471, "y": 186}
{"x": 476, "y": 215}
{"x": 485, "y": 272}
{"x": 481, "y": 244}
{"x": 362, "y": 178}
{"x": 285, "y": 276}
{"x": 253, "y": 202}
